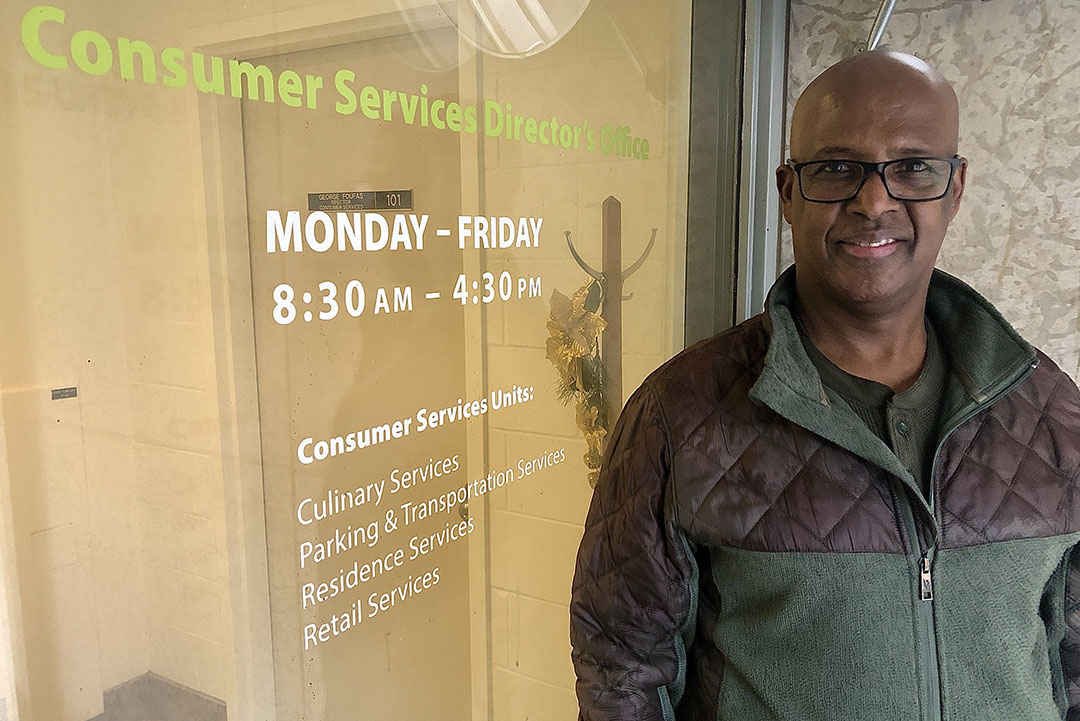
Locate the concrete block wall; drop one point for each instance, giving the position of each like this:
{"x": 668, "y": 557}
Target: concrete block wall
{"x": 106, "y": 288}
{"x": 536, "y": 523}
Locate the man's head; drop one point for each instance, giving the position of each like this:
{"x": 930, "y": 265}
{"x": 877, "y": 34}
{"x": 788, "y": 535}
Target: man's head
{"x": 871, "y": 254}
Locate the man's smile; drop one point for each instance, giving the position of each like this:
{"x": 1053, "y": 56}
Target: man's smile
{"x": 870, "y": 246}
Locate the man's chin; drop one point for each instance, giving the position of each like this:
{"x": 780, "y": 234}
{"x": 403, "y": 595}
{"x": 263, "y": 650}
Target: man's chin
{"x": 876, "y": 295}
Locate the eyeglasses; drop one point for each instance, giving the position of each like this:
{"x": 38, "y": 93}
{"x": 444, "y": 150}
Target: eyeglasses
{"x": 911, "y": 179}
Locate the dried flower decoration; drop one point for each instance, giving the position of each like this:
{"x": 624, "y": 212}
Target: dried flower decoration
{"x": 573, "y": 348}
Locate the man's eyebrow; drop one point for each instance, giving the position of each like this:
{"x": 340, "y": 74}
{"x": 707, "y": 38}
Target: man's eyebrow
{"x": 844, "y": 152}
{"x": 835, "y": 151}
{"x": 914, "y": 151}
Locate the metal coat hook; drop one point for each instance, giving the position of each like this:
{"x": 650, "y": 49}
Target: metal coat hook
{"x": 594, "y": 303}
{"x": 639, "y": 262}
{"x": 581, "y": 261}
{"x": 598, "y": 276}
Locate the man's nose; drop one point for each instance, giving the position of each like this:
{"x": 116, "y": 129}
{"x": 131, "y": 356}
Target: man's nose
{"x": 873, "y": 199}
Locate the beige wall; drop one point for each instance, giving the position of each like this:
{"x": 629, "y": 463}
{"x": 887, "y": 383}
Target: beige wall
{"x": 1013, "y": 64}
{"x": 623, "y": 63}
{"x": 106, "y": 287}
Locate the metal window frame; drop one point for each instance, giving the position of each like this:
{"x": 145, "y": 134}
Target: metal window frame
{"x": 764, "y": 81}
{"x": 736, "y": 142}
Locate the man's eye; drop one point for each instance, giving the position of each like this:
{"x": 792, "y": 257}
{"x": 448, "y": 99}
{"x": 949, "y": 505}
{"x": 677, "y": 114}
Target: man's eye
{"x": 913, "y": 167}
{"x": 834, "y": 169}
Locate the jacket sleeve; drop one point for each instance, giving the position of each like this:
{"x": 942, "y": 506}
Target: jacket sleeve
{"x": 1070, "y": 645}
{"x": 632, "y": 608}
{"x": 1066, "y": 413}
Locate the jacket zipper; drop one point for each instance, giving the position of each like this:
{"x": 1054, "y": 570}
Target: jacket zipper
{"x": 926, "y": 582}
{"x": 926, "y": 637}
{"x": 929, "y": 664}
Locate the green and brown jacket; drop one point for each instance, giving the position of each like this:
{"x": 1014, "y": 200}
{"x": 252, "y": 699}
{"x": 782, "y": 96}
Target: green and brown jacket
{"x": 753, "y": 552}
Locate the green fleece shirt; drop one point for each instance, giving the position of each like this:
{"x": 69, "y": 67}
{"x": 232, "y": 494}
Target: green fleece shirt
{"x": 908, "y": 422}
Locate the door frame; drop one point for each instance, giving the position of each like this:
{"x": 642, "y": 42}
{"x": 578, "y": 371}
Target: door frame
{"x": 220, "y": 131}
{"x": 736, "y": 140}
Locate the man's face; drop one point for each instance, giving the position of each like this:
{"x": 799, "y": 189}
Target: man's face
{"x": 872, "y": 252}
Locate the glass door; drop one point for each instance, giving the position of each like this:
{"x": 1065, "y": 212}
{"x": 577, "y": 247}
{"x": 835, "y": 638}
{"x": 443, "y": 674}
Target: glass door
{"x": 317, "y": 318}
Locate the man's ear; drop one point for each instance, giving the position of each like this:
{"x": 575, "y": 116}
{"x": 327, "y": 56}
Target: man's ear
{"x": 785, "y": 185}
{"x": 956, "y": 192}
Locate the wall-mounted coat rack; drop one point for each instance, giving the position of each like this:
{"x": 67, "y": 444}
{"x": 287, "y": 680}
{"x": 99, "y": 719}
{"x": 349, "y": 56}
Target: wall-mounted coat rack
{"x": 608, "y": 301}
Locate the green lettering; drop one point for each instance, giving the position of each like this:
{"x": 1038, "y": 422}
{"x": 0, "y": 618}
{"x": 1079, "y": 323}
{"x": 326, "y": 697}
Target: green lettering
{"x": 408, "y": 107}
{"x": 314, "y": 84}
{"x": 290, "y": 88}
{"x": 31, "y": 25}
{"x": 80, "y": 43}
{"x": 493, "y": 119}
{"x": 388, "y": 98}
{"x": 256, "y": 76}
{"x": 171, "y": 59}
{"x": 453, "y": 117}
{"x": 342, "y": 78}
{"x": 127, "y": 50}
{"x": 198, "y": 67}
{"x": 369, "y": 102}
{"x": 470, "y": 119}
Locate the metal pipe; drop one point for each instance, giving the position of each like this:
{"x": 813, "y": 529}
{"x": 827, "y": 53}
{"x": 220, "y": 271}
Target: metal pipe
{"x": 882, "y": 19}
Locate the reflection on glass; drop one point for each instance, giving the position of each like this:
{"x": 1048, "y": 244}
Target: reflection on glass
{"x": 298, "y": 416}
{"x": 514, "y": 29}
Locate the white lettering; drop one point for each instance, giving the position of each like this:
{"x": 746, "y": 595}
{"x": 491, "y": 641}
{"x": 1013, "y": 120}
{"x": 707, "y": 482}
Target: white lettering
{"x": 282, "y": 234}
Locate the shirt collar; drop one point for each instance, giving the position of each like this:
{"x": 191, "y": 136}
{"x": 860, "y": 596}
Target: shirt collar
{"x": 983, "y": 350}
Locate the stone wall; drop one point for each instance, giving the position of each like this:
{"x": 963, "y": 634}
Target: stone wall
{"x": 1016, "y": 71}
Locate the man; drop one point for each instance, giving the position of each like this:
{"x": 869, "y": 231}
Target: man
{"x": 862, "y": 504}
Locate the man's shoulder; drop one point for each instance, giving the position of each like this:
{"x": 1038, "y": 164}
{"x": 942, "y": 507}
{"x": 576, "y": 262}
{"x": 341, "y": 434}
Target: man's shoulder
{"x": 1042, "y": 415}
{"x": 1052, "y": 393}
{"x": 712, "y": 369}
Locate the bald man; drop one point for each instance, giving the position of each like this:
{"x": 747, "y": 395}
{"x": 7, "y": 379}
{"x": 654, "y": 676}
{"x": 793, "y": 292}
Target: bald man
{"x": 862, "y": 504}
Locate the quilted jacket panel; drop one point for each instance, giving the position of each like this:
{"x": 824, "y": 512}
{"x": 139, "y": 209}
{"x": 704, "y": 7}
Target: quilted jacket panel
{"x": 746, "y": 477}
{"x": 1011, "y": 471}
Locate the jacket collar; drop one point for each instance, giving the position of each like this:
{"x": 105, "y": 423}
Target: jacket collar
{"x": 985, "y": 353}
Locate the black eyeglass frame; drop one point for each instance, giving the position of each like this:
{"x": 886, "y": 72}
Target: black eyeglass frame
{"x": 879, "y": 168}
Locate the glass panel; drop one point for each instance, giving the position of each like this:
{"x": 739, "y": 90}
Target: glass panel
{"x": 316, "y": 317}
